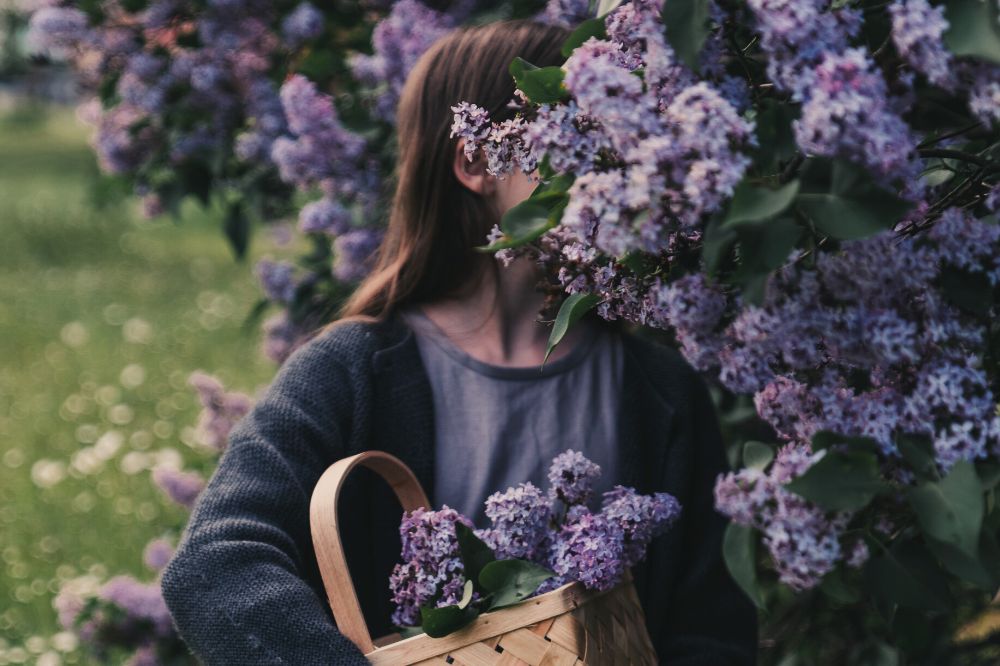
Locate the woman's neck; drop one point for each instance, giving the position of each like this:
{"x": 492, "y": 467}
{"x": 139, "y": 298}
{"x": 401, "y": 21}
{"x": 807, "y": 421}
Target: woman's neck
{"x": 497, "y": 323}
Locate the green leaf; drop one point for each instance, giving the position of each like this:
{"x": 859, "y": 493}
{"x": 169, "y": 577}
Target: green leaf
{"x": 467, "y": 591}
{"x": 574, "y": 307}
{"x": 236, "y": 226}
{"x": 739, "y": 552}
{"x": 511, "y": 581}
{"x": 757, "y": 204}
{"x": 475, "y": 554}
{"x": 764, "y": 247}
{"x": 951, "y": 510}
{"x": 844, "y": 202}
{"x": 824, "y": 439}
{"x": 541, "y": 85}
{"x": 969, "y": 291}
{"x": 973, "y": 29}
{"x": 410, "y": 632}
{"x": 840, "y": 481}
{"x": 605, "y": 6}
{"x": 908, "y": 576}
{"x": 918, "y": 452}
{"x": 989, "y": 474}
{"x": 590, "y": 28}
{"x": 717, "y": 245}
{"x": 686, "y": 24}
{"x": 522, "y": 224}
{"x": 964, "y": 565}
{"x": 757, "y": 455}
{"x": 775, "y": 137}
{"x": 438, "y": 622}
{"x": 834, "y": 586}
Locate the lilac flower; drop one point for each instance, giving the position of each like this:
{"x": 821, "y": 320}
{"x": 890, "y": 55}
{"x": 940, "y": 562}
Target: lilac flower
{"x": 639, "y": 517}
{"x": 221, "y": 410}
{"x": 324, "y": 216}
{"x": 277, "y": 279}
{"x": 181, "y": 487}
{"x": 848, "y": 113}
{"x": 520, "y": 518}
{"x": 281, "y": 337}
{"x": 571, "y": 141}
{"x": 566, "y": 13}
{"x": 157, "y": 554}
{"x": 984, "y": 94}
{"x": 431, "y": 563}
{"x": 303, "y": 24}
{"x": 141, "y": 602}
{"x": 572, "y": 477}
{"x": 801, "y": 538}
{"x": 917, "y": 27}
{"x": 119, "y": 148}
{"x": 398, "y": 41}
{"x": 323, "y": 148}
{"x": 354, "y": 252}
{"x": 471, "y": 123}
{"x": 797, "y": 34}
{"x": 144, "y": 656}
{"x": 590, "y": 549}
{"x": 599, "y": 77}
{"x": 859, "y": 554}
{"x": 56, "y": 28}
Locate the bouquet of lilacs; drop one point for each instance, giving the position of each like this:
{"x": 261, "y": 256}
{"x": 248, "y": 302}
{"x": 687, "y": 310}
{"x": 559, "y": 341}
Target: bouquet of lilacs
{"x": 537, "y": 541}
{"x": 803, "y": 194}
{"x": 125, "y": 619}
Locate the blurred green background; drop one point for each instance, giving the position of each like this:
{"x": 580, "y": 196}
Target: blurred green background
{"x": 103, "y": 316}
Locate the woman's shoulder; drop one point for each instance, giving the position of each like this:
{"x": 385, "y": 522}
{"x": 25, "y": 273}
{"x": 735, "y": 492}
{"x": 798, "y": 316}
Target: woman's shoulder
{"x": 350, "y": 343}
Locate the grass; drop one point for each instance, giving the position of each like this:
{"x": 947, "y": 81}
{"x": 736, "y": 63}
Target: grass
{"x": 104, "y": 315}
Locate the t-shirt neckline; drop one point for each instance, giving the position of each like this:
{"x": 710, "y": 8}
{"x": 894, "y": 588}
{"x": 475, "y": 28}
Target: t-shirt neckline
{"x": 426, "y": 327}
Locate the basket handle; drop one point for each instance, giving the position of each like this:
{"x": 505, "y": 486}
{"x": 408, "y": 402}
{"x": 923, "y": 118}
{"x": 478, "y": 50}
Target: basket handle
{"x": 326, "y": 534}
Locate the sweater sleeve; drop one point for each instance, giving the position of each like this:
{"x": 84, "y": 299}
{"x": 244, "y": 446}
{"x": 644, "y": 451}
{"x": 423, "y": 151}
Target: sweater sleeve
{"x": 237, "y": 586}
{"x": 710, "y": 622}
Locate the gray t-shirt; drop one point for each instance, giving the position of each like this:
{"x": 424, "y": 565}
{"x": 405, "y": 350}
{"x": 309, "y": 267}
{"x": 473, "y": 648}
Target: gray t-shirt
{"x": 496, "y": 426}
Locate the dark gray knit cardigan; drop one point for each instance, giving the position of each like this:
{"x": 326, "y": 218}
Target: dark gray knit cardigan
{"x": 244, "y": 587}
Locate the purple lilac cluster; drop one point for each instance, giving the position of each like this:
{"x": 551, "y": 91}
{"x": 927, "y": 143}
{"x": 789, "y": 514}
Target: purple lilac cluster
{"x": 398, "y": 42}
{"x": 802, "y": 539}
{"x": 520, "y": 517}
{"x": 277, "y": 279}
{"x": 873, "y": 310}
{"x": 917, "y": 31}
{"x": 674, "y": 147}
{"x": 431, "y": 563}
{"x": 554, "y": 529}
{"x": 849, "y": 114}
{"x": 150, "y": 57}
{"x": 181, "y": 487}
{"x": 281, "y": 337}
{"x": 221, "y": 409}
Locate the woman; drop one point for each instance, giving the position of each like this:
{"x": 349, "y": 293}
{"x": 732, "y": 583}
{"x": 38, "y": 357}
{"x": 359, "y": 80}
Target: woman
{"x": 436, "y": 359}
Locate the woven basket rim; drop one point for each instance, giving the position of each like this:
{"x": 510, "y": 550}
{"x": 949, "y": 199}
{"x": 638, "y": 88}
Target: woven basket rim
{"x": 563, "y": 599}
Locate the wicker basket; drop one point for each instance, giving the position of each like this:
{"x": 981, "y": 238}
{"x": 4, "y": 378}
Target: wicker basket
{"x": 567, "y": 626}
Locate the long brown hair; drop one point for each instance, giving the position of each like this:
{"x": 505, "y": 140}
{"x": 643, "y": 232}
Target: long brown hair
{"x": 435, "y": 222}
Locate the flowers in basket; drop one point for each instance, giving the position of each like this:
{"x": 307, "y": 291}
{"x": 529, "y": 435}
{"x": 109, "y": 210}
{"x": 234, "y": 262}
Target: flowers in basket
{"x": 537, "y": 541}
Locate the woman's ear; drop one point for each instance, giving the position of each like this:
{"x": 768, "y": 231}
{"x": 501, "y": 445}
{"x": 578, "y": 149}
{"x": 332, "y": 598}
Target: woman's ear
{"x": 472, "y": 173}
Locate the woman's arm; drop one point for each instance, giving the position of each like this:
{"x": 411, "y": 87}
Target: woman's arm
{"x": 237, "y": 586}
{"x": 709, "y": 621}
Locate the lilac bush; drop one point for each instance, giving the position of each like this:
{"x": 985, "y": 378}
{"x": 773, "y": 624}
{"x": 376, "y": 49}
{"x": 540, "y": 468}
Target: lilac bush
{"x": 783, "y": 199}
